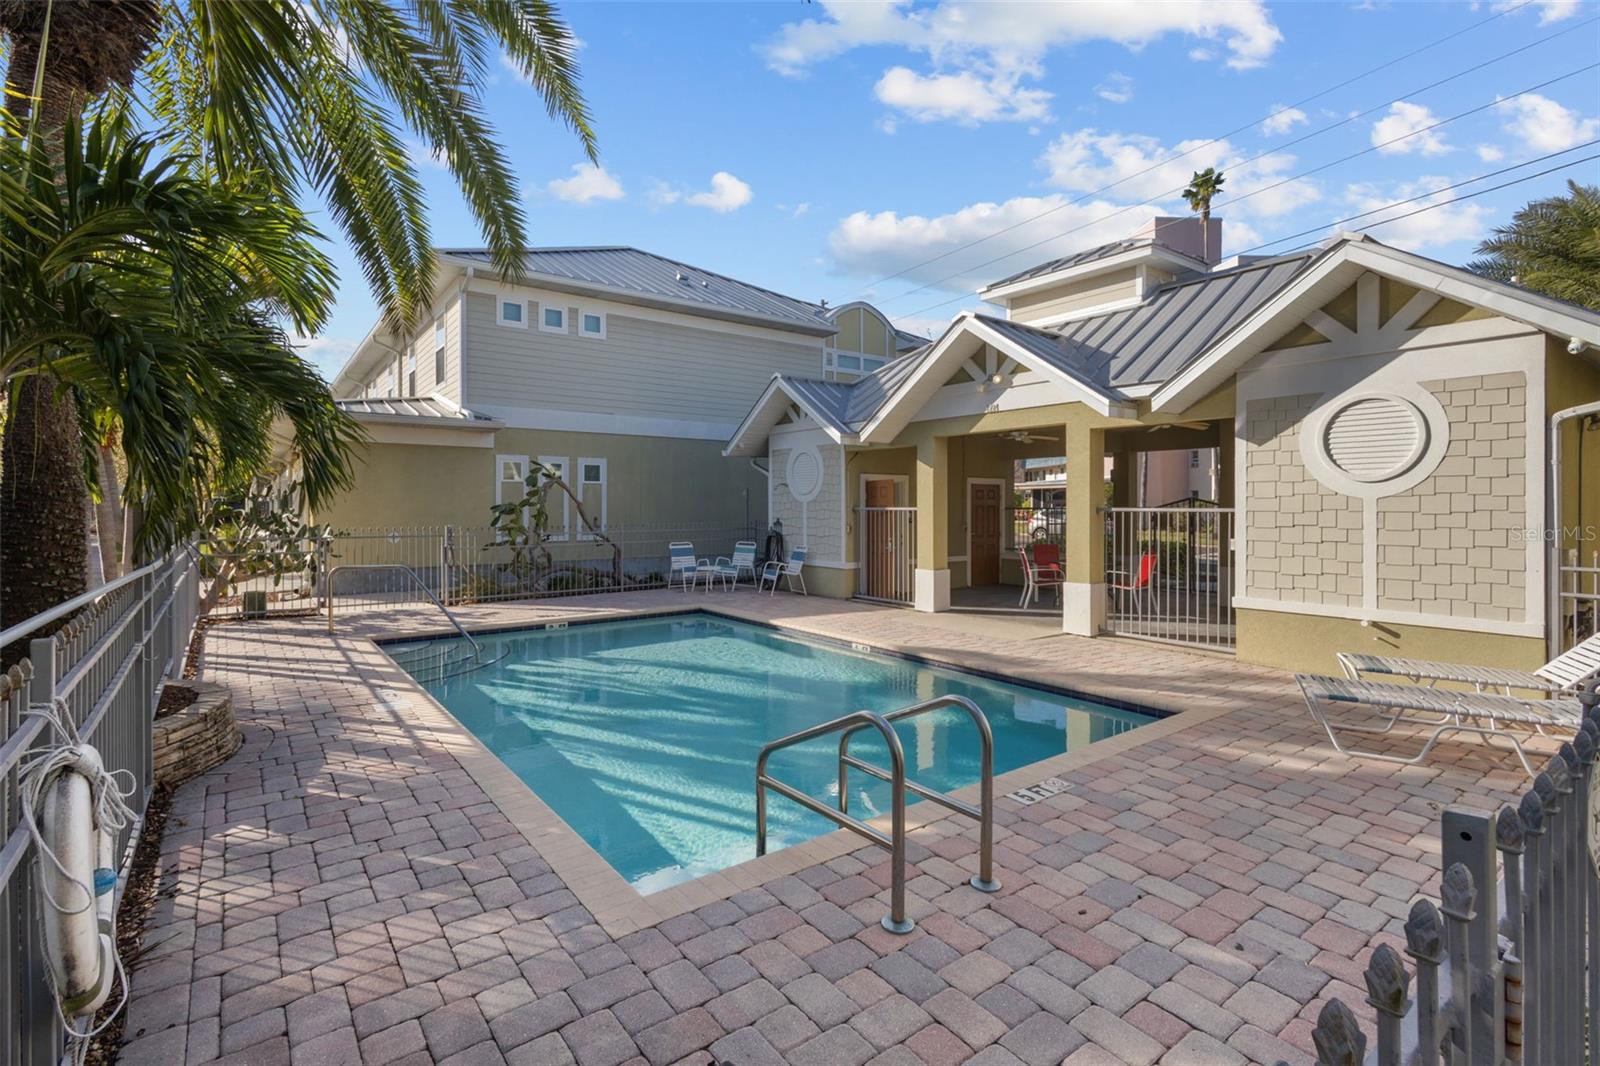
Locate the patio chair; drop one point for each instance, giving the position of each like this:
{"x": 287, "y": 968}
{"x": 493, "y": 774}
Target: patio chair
{"x": 1567, "y": 672}
{"x": 1446, "y": 711}
{"x": 789, "y": 569}
{"x": 742, "y": 561}
{"x": 1139, "y": 586}
{"x": 685, "y": 567}
{"x": 1041, "y": 569}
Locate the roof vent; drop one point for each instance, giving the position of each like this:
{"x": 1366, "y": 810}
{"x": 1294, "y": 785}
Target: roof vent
{"x": 680, "y": 276}
{"x": 1375, "y": 438}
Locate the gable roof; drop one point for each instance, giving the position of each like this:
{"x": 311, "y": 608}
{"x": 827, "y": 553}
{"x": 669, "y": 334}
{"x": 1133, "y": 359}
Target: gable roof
{"x": 630, "y": 274}
{"x": 1334, "y": 269}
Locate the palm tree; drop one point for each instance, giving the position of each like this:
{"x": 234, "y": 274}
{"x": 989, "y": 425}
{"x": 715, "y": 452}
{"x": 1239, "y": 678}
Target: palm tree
{"x": 286, "y": 97}
{"x": 1203, "y": 186}
{"x": 157, "y": 302}
{"x": 1552, "y": 245}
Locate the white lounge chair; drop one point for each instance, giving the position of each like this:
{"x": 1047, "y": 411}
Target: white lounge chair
{"x": 789, "y": 569}
{"x": 1445, "y": 710}
{"x": 684, "y": 566}
{"x": 743, "y": 561}
{"x": 1567, "y": 672}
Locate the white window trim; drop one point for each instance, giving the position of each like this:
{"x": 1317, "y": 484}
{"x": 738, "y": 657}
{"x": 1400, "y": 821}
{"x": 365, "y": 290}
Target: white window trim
{"x": 500, "y": 313}
{"x": 601, "y": 315}
{"x": 600, "y": 519}
{"x": 545, "y": 308}
{"x": 565, "y": 463}
{"x": 500, "y": 481}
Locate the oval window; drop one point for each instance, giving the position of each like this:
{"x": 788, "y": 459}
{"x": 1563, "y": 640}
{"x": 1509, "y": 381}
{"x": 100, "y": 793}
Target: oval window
{"x": 805, "y": 474}
{"x": 1375, "y": 438}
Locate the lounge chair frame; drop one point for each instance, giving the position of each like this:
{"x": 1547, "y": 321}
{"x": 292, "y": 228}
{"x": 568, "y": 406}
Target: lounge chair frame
{"x": 1567, "y": 672}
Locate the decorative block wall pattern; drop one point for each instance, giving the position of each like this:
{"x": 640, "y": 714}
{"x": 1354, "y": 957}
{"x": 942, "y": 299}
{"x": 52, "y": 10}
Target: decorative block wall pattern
{"x": 1445, "y": 547}
{"x": 1303, "y": 539}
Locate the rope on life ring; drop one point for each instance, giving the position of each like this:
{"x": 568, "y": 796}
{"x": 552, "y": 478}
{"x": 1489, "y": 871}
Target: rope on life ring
{"x": 74, "y": 810}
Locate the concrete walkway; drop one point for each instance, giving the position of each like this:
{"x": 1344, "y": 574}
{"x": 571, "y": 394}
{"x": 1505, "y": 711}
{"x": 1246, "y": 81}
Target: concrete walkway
{"x": 343, "y": 890}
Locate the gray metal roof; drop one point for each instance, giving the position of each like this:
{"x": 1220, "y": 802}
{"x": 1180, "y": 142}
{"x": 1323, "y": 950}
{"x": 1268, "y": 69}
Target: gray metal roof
{"x": 632, "y": 272}
{"x": 1088, "y": 255}
{"x": 412, "y": 407}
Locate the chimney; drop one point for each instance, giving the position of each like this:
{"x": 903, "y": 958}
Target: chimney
{"x": 1182, "y": 234}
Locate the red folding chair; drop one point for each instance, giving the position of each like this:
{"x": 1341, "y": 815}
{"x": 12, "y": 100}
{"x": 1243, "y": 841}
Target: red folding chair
{"x": 1140, "y": 585}
{"x": 1041, "y": 569}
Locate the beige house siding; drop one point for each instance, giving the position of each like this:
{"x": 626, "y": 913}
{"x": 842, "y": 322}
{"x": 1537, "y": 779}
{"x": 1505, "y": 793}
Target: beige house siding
{"x": 642, "y": 367}
{"x": 1445, "y": 546}
{"x": 1304, "y": 538}
{"x": 1053, "y": 303}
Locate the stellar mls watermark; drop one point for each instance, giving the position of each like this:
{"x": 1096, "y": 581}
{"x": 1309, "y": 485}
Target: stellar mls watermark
{"x": 1565, "y": 535}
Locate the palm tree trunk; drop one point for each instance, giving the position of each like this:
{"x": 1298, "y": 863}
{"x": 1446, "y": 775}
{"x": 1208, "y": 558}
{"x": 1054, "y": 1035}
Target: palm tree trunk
{"x": 108, "y": 512}
{"x": 42, "y": 508}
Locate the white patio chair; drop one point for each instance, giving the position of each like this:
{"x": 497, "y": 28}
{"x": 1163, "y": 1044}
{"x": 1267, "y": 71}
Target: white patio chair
{"x": 789, "y": 569}
{"x": 684, "y": 566}
{"x": 743, "y": 561}
{"x": 1445, "y": 710}
{"x": 1567, "y": 672}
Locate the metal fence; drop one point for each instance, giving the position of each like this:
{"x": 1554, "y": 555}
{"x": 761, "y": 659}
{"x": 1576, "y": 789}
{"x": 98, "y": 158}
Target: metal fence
{"x": 1026, "y": 526}
{"x": 1578, "y": 599}
{"x": 1169, "y": 574}
{"x": 1508, "y": 967}
{"x": 461, "y": 564}
{"x": 887, "y": 539}
{"x": 107, "y": 664}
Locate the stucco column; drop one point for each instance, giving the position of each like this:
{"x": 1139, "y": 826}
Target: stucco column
{"x": 932, "y": 591}
{"x": 1084, "y": 596}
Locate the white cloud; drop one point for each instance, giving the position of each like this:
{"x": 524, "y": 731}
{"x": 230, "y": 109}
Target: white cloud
{"x": 1118, "y": 88}
{"x": 589, "y": 182}
{"x": 727, "y": 193}
{"x": 794, "y": 210}
{"x": 327, "y": 354}
{"x": 1401, "y": 125}
{"x": 1549, "y": 10}
{"x": 425, "y": 158}
{"x": 1543, "y": 125}
{"x": 981, "y": 55}
{"x": 1440, "y": 226}
{"x": 965, "y": 98}
{"x": 1282, "y": 120}
{"x": 1490, "y": 153}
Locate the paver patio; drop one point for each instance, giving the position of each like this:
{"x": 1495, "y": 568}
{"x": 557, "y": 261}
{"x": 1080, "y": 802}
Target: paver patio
{"x": 343, "y": 890}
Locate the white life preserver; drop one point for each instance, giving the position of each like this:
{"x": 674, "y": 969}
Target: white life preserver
{"x": 77, "y": 877}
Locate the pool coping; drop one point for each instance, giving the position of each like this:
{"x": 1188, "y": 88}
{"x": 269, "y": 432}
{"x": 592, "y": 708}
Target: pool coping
{"x": 618, "y": 907}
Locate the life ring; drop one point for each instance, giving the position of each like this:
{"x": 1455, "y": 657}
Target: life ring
{"x": 77, "y": 876}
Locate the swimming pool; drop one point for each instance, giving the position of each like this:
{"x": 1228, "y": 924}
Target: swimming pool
{"x": 642, "y": 734}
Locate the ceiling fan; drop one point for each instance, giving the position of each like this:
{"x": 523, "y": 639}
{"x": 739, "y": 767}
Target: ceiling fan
{"x": 1023, "y": 436}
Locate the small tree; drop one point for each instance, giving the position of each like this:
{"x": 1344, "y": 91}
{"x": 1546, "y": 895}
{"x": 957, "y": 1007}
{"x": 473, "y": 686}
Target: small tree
{"x": 524, "y": 524}
{"x": 260, "y": 532}
{"x": 1203, "y": 187}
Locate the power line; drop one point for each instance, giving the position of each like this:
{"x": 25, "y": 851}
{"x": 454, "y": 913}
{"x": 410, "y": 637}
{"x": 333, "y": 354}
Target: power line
{"x": 1436, "y": 192}
{"x": 1254, "y": 192}
{"x": 1240, "y": 129}
{"x": 1385, "y": 207}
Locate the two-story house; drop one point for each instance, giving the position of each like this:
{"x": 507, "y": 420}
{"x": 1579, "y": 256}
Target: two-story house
{"x": 623, "y": 370}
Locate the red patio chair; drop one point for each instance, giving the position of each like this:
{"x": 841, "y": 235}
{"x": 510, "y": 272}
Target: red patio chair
{"x": 1041, "y": 569}
{"x": 1140, "y": 585}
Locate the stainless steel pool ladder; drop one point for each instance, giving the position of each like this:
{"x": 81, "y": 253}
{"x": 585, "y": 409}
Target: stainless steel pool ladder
{"x": 477, "y": 649}
{"x": 895, "y": 840}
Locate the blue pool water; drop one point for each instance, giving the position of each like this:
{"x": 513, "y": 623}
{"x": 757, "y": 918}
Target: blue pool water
{"x": 643, "y": 734}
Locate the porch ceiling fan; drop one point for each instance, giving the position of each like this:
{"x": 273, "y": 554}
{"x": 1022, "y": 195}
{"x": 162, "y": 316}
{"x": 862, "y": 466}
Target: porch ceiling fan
{"x": 1023, "y": 436}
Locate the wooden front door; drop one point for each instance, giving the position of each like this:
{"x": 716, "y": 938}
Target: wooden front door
{"x": 983, "y": 525}
{"x": 880, "y": 538}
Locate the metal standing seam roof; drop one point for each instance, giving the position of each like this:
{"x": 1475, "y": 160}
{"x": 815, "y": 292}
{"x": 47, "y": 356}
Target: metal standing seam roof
{"x": 630, "y": 270}
{"x": 1088, "y": 255}
{"x": 410, "y": 407}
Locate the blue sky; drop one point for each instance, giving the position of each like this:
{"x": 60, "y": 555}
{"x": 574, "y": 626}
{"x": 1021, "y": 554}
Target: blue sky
{"x": 817, "y": 148}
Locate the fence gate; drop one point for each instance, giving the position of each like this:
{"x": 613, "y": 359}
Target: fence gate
{"x": 1577, "y": 599}
{"x": 1508, "y": 965}
{"x": 1169, "y": 573}
{"x": 887, "y": 559}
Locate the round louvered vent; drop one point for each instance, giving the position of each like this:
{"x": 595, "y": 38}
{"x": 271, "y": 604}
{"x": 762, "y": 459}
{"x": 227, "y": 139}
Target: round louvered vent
{"x": 805, "y": 474}
{"x": 1375, "y": 438}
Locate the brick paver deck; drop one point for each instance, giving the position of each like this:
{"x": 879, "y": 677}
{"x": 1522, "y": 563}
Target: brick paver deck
{"x": 344, "y": 891}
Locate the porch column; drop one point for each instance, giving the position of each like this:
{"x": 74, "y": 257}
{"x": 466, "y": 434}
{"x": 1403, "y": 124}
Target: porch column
{"x": 933, "y": 525}
{"x": 1084, "y": 595}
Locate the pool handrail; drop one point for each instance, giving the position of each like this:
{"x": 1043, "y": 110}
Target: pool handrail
{"x": 983, "y": 814}
{"x": 894, "y": 842}
{"x": 477, "y": 649}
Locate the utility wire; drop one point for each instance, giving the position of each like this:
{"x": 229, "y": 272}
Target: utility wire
{"x": 1254, "y": 192}
{"x": 1385, "y": 207}
{"x": 1240, "y": 129}
{"x": 1440, "y": 189}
